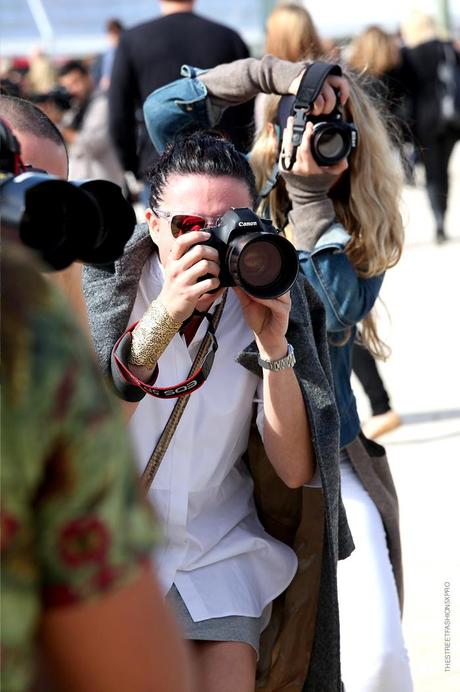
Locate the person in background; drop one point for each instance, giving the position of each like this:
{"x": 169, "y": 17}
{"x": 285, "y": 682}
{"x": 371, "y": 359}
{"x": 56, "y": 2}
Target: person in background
{"x": 53, "y": 103}
{"x": 347, "y": 227}
{"x": 86, "y": 127}
{"x": 290, "y": 35}
{"x": 152, "y": 54}
{"x": 102, "y": 69}
{"x": 426, "y": 54}
{"x": 41, "y": 76}
{"x": 379, "y": 56}
{"x": 383, "y": 418}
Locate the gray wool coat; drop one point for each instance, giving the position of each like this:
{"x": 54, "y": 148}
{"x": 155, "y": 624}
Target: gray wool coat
{"x": 300, "y": 648}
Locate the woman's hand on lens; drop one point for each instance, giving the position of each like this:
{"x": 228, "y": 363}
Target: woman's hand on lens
{"x": 304, "y": 163}
{"x": 185, "y": 287}
{"x": 269, "y": 320}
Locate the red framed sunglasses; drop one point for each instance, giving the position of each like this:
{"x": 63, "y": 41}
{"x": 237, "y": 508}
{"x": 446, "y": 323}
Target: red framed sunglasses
{"x": 184, "y": 222}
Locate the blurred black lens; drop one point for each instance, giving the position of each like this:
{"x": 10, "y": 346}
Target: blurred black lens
{"x": 117, "y": 221}
{"x": 88, "y": 221}
{"x": 51, "y": 216}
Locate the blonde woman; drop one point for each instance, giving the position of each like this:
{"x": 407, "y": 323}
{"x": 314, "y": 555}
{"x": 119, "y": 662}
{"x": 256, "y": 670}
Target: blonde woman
{"x": 373, "y": 51}
{"x": 346, "y": 225}
{"x": 291, "y": 35}
{"x": 345, "y": 222}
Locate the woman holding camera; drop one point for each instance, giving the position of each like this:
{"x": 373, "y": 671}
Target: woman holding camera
{"x": 345, "y": 223}
{"x": 221, "y": 567}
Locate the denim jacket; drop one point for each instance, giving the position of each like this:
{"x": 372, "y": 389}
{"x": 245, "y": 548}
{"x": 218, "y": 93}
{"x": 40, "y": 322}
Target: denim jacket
{"x": 347, "y": 299}
{"x": 177, "y": 105}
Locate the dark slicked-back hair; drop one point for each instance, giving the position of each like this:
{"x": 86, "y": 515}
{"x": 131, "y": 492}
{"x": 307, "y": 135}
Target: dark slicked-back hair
{"x": 201, "y": 153}
{"x": 25, "y": 117}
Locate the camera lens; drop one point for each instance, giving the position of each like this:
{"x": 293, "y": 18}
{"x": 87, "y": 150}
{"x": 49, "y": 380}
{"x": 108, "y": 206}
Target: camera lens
{"x": 259, "y": 264}
{"x": 264, "y": 265}
{"x": 330, "y": 144}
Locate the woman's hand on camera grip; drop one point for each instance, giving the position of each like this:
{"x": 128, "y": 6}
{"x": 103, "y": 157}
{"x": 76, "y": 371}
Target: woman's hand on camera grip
{"x": 184, "y": 287}
{"x": 305, "y": 164}
{"x": 326, "y": 101}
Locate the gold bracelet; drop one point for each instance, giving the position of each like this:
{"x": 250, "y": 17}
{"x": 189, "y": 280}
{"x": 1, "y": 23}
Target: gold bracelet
{"x": 152, "y": 335}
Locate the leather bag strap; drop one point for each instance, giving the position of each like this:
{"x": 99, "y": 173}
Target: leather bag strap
{"x": 165, "y": 438}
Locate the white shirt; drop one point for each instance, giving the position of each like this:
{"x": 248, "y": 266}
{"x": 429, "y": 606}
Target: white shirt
{"x": 216, "y": 551}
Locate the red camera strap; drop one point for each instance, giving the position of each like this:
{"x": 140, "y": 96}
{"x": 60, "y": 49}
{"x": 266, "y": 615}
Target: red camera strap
{"x": 199, "y": 371}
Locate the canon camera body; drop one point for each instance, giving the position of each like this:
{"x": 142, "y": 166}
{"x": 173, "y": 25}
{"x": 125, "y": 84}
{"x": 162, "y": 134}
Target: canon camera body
{"x": 253, "y": 255}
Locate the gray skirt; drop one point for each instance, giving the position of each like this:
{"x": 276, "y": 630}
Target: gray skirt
{"x": 233, "y": 628}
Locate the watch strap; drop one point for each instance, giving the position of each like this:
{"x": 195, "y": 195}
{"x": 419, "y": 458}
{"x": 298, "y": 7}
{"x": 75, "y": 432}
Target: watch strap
{"x": 287, "y": 361}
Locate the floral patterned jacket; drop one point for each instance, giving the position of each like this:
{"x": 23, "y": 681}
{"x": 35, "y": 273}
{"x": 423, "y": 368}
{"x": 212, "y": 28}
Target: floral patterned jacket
{"x": 73, "y": 524}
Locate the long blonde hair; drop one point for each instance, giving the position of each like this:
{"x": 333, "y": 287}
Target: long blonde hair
{"x": 291, "y": 34}
{"x": 370, "y": 213}
{"x": 373, "y": 51}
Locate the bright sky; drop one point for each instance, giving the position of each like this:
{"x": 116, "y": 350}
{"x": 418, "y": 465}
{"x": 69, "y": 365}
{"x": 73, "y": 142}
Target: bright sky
{"x": 342, "y": 16}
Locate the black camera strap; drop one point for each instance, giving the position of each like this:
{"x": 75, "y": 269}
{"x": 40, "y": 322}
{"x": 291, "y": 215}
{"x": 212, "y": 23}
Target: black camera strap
{"x": 308, "y": 91}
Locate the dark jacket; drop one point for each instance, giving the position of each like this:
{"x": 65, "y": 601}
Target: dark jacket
{"x": 304, "y": 628}
{"x": 424, "y": 61}
{"x": 150, "y": 55}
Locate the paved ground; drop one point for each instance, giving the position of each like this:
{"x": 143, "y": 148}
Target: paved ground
{"x": 422, "y": 296}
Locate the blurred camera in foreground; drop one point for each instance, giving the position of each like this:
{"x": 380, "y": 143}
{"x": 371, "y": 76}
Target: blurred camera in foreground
{"x": 88, "y": 221}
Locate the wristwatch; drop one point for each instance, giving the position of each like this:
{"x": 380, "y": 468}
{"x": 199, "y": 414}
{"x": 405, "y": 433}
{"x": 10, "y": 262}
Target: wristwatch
{"x": 288, "y": 361}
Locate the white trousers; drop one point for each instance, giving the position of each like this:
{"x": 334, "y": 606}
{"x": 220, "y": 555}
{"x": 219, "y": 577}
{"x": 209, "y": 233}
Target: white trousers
{"x": 373, "y": 655}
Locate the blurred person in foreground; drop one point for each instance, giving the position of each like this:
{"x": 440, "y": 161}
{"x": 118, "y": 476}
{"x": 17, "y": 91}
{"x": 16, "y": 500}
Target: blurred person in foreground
{"x": 152, "y": 54}
{"x": 43, "y": 147}
{"x": 86, "y": 127}
{"x": 80, "y": 606}
{"x": 427, "y": 56}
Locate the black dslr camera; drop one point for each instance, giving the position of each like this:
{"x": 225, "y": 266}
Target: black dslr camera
{"x": 333, "y": 138}
{"x": 253, "y": 255}
{"x": 87, "y": 220}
